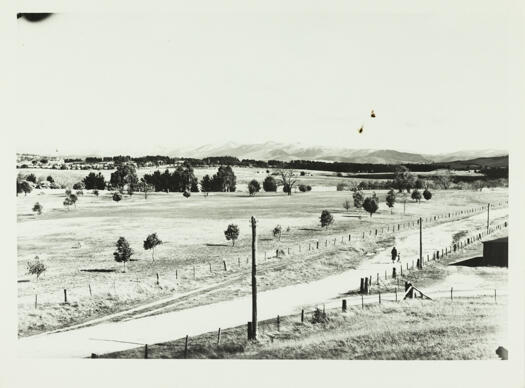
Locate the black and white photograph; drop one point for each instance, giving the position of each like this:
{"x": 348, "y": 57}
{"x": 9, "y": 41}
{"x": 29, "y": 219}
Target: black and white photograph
{"x": 296, "y": 181}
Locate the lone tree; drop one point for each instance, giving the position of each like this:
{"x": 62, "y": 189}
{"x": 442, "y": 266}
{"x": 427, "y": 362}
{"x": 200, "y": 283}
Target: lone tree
{"x": 95, "y": 193}
{"x": 123, "y": 252}
{"x": 427, "y": 194}
{"x": 67, "y": 203}
{"x": 347, "y": 205}
{"x": 416, "y": 195}
{"x": 38, "y": 208}
{"x": 358, "y": 198}
{"x": 391, "y": 199}
{"x": 277, "y": 231}
{"x": 254, "y": 187}
{"x": 370, "y": 204}
{"x": 269, "y": 184}
{"x": 94, "y": 181}
{"x": 36, "y": 267}
{"x": 232, "y": 233}
{"x": 117, "y": 197}
{"x": 150, "y": 243}
{"x": 288, "y": 179}
{"x": 326, "y": 219}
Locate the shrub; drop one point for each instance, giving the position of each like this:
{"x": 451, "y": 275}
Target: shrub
{"x": 358, "y": 199}
{"x": 117, "y": 196}
{"x": 31, "y": 178}
{"x": 94, "y": 181}
{"x": 416, "y": 195}
{"x": 186, "y": 194}
{"x": 326, "y": 219}
{"x": 95, "y": 192}
{"x": 80, "y": 192}
{"x": 78, "y": 186}
{"x": 37, "y": 208}
{"x": 302, "y": 188}
{"x": 277, "y": 231}
{"x": 254, "y": 187}
{"x": 50, "y": 179}
{"x": 308, "y": 188}
{"x": 232, "y": 233}
{"x": 341, "y": 186}
{"x": 319, "y": 317}
{"x": 287, "y": 188}
{"x": 36, "y": 267}
{"x": 67, "y": 203}
{"x": 302, "y": 173}
{"x": 427, "y": 194}
{"x": 73, "y": 198}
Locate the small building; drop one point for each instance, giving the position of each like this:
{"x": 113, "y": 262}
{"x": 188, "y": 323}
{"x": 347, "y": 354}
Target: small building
{"x": 496, "y": 252}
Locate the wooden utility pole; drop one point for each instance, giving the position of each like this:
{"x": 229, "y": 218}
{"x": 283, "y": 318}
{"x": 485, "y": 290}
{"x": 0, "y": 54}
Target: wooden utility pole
{"x": 420, "y": 243}
{"x": 254, "y": 280}
{"x": 488, "y": 217}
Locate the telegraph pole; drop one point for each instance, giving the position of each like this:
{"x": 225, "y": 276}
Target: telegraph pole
{"x": 420, "y": 242}
{"x": 488, "y": 217}
{"x": 254, "y": 280}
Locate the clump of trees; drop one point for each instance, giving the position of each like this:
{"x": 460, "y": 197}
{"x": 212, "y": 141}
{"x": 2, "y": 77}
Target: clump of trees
{"x": 123, "y": 252}
{"x": 326, "y": 219}
{"x": 181, "y": 180}
{"x": 79, "y": 186}
{"x": 67, "y": 203}
{"x": 36, "y": 267}
{"x": 151, "y": 242}
{"x": 269, "y": 184}
{"x": 391, "y": 199}
{"x": 38, "y": 208}
{"x": 416, "y": 195}
{"x": 94, "y": 181}
{"x": 22, "y": 185}
{"x": 223, "y": 181}
{"x": 427, "y": 194}
{"x": 125, "y": 176}
{"x": 370, "y": 204}
{"x": 404, "y": 179}
{"x": 254, "y": 187}
{"x": 232, "y": 233}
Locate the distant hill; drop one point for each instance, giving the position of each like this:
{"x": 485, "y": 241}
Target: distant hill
{"x": 497, "y": 161}
{"x": 286, "y": 152}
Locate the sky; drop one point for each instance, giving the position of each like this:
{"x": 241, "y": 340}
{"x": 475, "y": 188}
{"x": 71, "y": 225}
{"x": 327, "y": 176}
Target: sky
{"x": 140, "y": 83}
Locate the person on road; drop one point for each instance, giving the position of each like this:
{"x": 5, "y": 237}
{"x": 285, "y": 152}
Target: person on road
{"x": 394, "y": 254}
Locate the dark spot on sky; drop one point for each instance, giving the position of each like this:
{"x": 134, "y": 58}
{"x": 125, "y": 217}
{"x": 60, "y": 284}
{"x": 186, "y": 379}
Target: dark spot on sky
{"x": 33, "y": 17}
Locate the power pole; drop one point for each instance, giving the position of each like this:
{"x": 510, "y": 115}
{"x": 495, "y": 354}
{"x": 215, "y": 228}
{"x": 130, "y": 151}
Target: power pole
{"x": 488, "y": 217}
{"x": 254, "y": 280}
{"x": 420, "y": 242}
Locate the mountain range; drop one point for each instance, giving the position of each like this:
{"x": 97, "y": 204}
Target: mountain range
{"x": 286, "y": 152}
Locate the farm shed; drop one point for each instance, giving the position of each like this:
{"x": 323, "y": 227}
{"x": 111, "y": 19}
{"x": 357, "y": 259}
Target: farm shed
{"x": 496, "y": 252}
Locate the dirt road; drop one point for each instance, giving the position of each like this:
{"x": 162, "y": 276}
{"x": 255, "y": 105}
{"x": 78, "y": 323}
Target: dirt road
{"x": 113, "y": 336}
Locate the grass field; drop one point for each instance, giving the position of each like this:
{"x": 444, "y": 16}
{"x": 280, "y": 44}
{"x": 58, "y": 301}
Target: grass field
{"x": 192, "y": 231}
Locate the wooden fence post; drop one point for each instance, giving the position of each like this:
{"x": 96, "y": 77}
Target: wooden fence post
{"x": 362, "y": 286}
{"x": 176, "y": 274}
{"x": 224, "y": 263}
{"x": 209, "y": 263}
{"x": 65, "y": 295}
{"x": 495, "y": 301}
{"x": 451, "y": 289}
{"x": 378, "y": 278}
{"x": 186, "y": 347}
{"x": 344, "y": 305}
{"x": 394, "y": 272}
{"x": 278, "y": 323}
{"x": 219, "y": 337}
{"x": 146, "y": 351}
{"x": 362, "y": 302}
{"x": 250, "y": 330}
{"x": 36, "y": 301}
{"x": 302, "y": 315}
{"x": 239, "y": 260}
{"x": 193, "y": 272}
{"x": 379, "y": 293}
{"x": 396, "y": 293}
{"x": 90, "y": 293}
{"x": 158, "y": 281}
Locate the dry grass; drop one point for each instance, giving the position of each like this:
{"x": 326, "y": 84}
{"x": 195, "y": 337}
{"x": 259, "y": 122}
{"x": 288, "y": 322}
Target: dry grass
{"x": 192, "y": 231}
{"x": 465, "y": 329}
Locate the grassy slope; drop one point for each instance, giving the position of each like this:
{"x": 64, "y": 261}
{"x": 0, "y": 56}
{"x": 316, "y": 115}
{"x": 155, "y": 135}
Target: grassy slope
{"x": 468, "y": 328}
